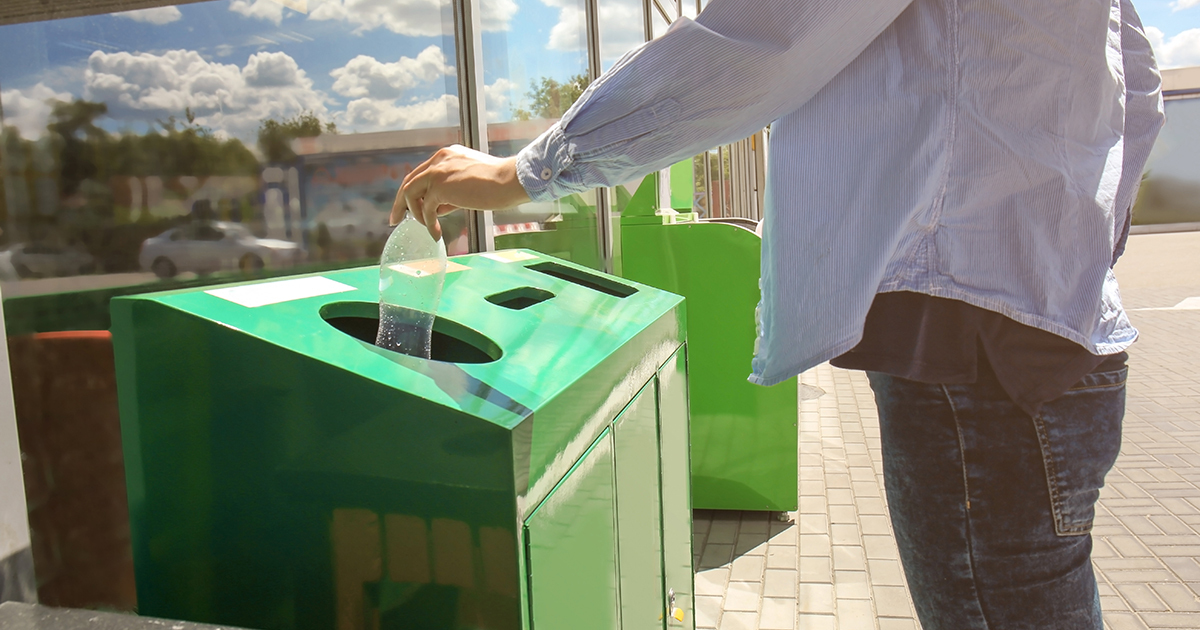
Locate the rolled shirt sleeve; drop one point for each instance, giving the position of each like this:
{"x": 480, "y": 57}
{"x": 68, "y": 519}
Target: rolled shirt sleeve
{"x": 706, "y": 82}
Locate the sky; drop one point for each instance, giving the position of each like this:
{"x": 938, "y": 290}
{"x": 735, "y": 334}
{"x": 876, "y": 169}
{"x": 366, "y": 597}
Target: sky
{"x": 1173, "y": 27}
{"x": 362, "y": 64}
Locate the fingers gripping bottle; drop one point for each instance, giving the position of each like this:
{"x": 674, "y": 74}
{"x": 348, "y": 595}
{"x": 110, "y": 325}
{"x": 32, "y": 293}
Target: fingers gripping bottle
{"x": 411, "y": 273}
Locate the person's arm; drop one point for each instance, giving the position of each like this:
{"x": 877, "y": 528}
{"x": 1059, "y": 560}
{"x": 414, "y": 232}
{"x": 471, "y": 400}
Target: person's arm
{"x": 1144, "y": 117}
{"x": 740, "y": 65}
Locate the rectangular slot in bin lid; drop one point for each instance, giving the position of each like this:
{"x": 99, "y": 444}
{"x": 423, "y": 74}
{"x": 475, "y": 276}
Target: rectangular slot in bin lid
{"x": 592, "y": 281}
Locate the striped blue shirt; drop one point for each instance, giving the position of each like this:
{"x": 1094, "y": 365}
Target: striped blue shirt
{"x": 981, "y": 150}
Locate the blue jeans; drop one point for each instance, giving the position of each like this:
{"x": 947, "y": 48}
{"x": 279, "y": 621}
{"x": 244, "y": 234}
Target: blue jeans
{"x": 992, "y": 508}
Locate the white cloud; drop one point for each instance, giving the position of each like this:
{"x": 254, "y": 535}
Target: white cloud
{"x": 1180, "y": 5}
{"x": 29, "y": 109}
{"x": 621, "y": 28}
{"x": 428, "y": 18}
{"x": 367, "y": 77}
{"x": 570, "y": 31}
{"x": 268, "y": 10}
{"x": 272, "y": 70}
{"x": 385, "y": 114}
{"x": 497, "y": 97}
{"x": 157, "y": 15}
{"x": 227, "y": 98}
{"x": 1174, "y": 52}
{"x": 367, "y": 114}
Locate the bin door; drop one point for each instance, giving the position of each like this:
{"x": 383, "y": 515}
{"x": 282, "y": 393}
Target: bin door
{"x": 676, "y": 488}
{"x": 572, "y": 548}
{"x": 639, "y": 516}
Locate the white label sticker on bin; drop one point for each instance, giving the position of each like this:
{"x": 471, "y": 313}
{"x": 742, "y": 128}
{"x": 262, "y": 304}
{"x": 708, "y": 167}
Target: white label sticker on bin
{"x": 264, "y": 293}
{"x": 509, "y": 256}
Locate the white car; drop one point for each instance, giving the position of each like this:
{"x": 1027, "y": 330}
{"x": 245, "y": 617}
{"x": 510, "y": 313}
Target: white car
{"x": 43, "y": 260}
{"x": 210, "y": 247}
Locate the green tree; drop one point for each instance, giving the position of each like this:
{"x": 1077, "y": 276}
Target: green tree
{"x": 550, "y": 99}
{"x": 76, "y": 137}
{"x": 275, "y": 136}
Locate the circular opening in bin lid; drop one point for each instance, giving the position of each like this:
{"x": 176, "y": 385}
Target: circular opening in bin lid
{"x": 452, "y": 342}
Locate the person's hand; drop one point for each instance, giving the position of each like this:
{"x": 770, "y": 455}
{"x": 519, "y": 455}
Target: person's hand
{"x": 457, "y": 177}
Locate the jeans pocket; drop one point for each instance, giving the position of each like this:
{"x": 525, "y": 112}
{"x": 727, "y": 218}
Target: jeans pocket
{"x": 1080, "y": 437}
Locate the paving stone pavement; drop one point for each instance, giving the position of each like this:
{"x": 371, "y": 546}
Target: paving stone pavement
{"x": 833, "y": 565}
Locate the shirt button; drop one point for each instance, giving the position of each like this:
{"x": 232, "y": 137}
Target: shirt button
{"x": 546, "y": 174}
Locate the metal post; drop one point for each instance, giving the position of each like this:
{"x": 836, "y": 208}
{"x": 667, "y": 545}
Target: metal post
{"x": 724, "y": 177}
{"x": 468, "y": 46}
{"x": 760, "y": 173}
{"x": 747, "y": 182}
{"x": 604, "y": 225}
{"x": 708, "y": 196}
{"x": 647, "y": 20}
{"x": 735, "y": 167}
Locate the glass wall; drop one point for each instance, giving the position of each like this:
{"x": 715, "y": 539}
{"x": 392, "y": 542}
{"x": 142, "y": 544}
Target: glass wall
{"x": 215, "y": 138}
{"x": 175, "y": 146}
{"x": 622, "y": 28}
{"x": 534, "y": 72}
{"x": 1170, "y": 191}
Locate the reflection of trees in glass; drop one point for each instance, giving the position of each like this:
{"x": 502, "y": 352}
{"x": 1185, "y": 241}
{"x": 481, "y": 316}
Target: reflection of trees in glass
{"x": 548, "y": 98}
{"x": 1166, "y": 199}
{"x": 82, "y": 186}
{"x": 275, "y": 136}
{"x": 714, "y": 168}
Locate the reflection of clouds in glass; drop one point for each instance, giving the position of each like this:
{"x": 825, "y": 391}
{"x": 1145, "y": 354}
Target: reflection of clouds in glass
{"x": 570, "y": 33}
{"x": 28, "y": 109}
{"x": 621, "y": 29}
{"x": 268, "y": 10}
{"x": 366, "y": 114}
{"x": 386, "y": 114}
{"x": 1175, "y": 52}
{"x": 272, "y": 70}
{"x": 620, "y": 26}
{"x": 157, "y": 15}
{"x": 421, "y": 18}
{"x": 1179, "y": 5}
{"x": 367, "y": 77}
{"x": 225, "y": 97}
{"x": 497, "y": 98}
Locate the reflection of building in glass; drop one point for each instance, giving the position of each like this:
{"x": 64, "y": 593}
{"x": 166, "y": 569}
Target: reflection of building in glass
{"x": 349, "y": 182}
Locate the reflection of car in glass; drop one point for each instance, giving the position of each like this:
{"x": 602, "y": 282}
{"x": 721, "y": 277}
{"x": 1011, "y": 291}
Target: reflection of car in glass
{"x": 209, "y": 247}
{"x": 40, "y": 260}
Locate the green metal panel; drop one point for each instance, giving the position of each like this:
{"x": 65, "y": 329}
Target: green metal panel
{"x": 676, "y": 497}
{"x": 285, "y": 474}
{"x": 639, "y": 508}
{"x": 744, "y": 437}
{"x": 683, "y": 185}
{"x": 572, "y": 543}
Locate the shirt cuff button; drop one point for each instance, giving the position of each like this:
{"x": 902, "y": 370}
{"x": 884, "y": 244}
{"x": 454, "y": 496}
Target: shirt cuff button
{"x": 546, "y": 174}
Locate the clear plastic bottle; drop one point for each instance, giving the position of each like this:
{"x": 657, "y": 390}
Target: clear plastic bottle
{"x": 412, "y": 270}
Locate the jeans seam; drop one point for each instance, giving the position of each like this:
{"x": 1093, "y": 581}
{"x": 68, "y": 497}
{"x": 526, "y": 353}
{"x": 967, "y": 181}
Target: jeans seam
{"x": 1086, "y": 388}
{"x": 962, "y": 456}
{"x": 1060, "y": 527}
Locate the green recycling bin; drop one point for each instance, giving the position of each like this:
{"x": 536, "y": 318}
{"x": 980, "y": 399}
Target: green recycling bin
{"x": 744, "y": 436}
{"x": 283, "y": 472}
